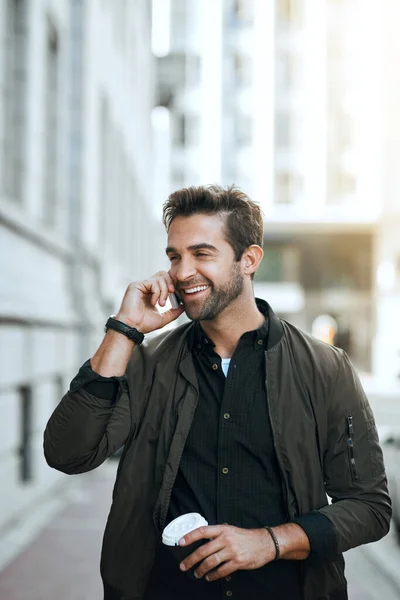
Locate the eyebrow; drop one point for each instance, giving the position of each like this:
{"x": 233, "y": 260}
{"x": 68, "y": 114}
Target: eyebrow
{"x": 201, "y": 246}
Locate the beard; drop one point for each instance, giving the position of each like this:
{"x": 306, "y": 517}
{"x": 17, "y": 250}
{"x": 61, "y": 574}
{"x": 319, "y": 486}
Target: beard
{"x": 219, "y": 297}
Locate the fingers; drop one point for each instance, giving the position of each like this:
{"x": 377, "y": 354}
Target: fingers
{"x": 231, "y": 548}
{"x": 158, "y": 286}
{"x": 202, "y": 533}
{"x": 211, "y": 563}
{"x": 166, "y": 286}
{"x": 163, "y": 291}
{"x": 138, "y": 306}
{"x": 205, "y": 551}
{"x": 210, "y": 556}
{"x": 223, "y": 571}
{"x": 155, "y": 291}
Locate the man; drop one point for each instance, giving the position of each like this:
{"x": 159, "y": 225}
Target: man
{"x": 236, "y": 415}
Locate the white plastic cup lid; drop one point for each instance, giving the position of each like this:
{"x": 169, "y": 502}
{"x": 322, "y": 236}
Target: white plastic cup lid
{"x": 180, "y": 526}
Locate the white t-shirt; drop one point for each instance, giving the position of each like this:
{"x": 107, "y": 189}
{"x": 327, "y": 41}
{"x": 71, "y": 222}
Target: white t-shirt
{"x": 225, "y": 365}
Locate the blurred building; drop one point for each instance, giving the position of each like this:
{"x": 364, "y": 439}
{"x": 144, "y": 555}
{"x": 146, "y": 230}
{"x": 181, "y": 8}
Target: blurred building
{"x": 76, "y": 225}
{"x": 386, "y": 356}
{"x": 322, "y": 216}
{"x": 332, "y": 203}
{"x": 283, "y": 98}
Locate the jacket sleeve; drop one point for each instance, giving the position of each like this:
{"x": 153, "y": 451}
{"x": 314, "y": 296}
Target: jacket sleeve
{"x": 354, "y": 471}
{"x": 85, "y": 429}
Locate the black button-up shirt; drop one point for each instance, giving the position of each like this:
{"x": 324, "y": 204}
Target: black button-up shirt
{"x": 229, "y": 472}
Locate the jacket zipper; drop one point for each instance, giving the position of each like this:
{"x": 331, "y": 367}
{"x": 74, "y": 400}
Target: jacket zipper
{"x": 350, "y": 445}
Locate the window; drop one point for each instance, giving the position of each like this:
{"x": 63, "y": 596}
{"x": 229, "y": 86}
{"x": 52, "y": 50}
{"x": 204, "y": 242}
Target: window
{"x": 105, "y": 176}
{"x": 340, "y": 132}
{"x": 192, "y": 130}
{"x": 288, "y": 186}
{"x": 186, "y": 130}
{"x": 243, "y": 70}
{"x": 283, "y": 131}
{"x": 244, "y": 129}
{"x": 288, "y": 12}
{"x": 271, "y": 267}
{"x": 177, "y": 177}
{"x": 193, "y": 69}
{"x": 244, "y": 11}
{"x": 13, "y": 92}
{"x": 180, "y": 130}
{"x": 344, "y": 130}
{"x": 342, "y": 184}
{"x": 51, "y": 188}
{"x": 281, "y": 263}
{"x": 26, "y": 424}
{"x": 286, "y": 70}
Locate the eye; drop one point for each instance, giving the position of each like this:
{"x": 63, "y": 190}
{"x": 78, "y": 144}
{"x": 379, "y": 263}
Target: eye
{"x": 201, "y": 254}
{"x": 172, "y": 258}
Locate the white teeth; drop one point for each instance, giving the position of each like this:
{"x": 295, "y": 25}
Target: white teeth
{"x": 196, "y": 289}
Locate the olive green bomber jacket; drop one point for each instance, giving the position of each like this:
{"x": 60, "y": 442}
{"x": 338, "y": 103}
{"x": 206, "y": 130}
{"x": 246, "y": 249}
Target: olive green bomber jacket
{"x": 324, "y": 434}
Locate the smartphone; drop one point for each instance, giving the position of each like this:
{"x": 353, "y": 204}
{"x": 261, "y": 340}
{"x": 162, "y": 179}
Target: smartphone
{"x": 174, "y": 300}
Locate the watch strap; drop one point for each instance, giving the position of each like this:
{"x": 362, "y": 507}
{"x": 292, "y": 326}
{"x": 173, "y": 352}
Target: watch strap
{"x": 130, "y": 332}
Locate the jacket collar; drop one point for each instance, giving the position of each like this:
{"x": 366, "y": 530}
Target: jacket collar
{"x": 184, "y": 333}
{"x": 275, "y": 325}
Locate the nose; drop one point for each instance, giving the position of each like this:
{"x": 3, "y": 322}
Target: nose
{"x": 185, "y": 270}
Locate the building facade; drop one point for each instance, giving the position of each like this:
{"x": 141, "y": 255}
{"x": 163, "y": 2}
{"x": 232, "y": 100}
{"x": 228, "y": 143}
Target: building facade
{"x": 76, "y": 195}
{"x": 386, "y": 356}
{"x": 287, "y": 99}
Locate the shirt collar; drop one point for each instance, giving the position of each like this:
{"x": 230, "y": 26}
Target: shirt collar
{"x": 199, "y": 340}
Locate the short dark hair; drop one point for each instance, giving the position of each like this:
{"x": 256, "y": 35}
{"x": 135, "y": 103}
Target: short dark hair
{"x": 244, "y": 218}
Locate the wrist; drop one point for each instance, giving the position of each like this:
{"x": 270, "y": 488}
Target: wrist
{"x": 293, "y": 541}
{"x": 132, "y": 333}
{"x": 276, "y": 547}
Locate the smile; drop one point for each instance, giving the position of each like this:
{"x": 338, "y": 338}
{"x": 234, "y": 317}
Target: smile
{"x": 194, "y": 290}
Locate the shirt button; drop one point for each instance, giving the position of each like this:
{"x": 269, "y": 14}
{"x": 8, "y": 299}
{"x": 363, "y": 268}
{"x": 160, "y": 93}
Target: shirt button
{"x": 260, "y": 342}
{"x": 227, "y": 416}
{"x": 228, "y": 578}
{"x": 215, "y": 367}
{"x": 225, "y": 470}
{"x": 229, "y": 593}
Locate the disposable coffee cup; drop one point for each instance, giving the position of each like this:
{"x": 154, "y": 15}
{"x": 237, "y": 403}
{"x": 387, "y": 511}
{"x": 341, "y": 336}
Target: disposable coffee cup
{"x": 176, "y": 530}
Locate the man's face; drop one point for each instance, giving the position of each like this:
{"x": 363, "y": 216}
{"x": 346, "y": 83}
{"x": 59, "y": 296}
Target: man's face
{"x": 203, "y": 266}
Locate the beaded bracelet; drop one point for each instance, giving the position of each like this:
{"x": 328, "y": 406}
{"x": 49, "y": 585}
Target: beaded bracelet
{"x": 275, "y": 540}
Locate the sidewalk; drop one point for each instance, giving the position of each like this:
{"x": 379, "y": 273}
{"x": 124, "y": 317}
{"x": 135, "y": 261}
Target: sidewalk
{"x": 63, "y": 561}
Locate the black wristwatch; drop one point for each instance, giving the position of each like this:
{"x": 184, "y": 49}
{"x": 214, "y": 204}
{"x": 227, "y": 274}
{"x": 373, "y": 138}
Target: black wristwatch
{"x": 131, "y": 332}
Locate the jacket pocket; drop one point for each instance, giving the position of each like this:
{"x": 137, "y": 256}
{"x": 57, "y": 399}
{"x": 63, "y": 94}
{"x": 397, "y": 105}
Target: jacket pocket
{"x": 350, "y": 448}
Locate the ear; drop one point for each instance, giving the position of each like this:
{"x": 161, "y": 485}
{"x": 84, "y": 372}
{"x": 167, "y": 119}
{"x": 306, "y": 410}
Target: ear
{"x": 251, "y": 259}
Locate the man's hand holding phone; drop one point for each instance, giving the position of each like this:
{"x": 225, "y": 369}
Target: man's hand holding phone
{"x": 139, "y": 305}
{"x": 139, "y": 310}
